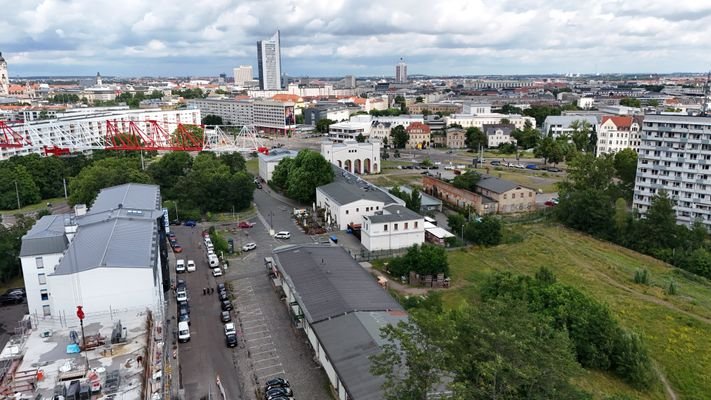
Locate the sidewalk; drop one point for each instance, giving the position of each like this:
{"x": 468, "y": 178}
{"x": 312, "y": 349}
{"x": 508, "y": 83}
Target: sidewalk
{"x": 273, "y": 194}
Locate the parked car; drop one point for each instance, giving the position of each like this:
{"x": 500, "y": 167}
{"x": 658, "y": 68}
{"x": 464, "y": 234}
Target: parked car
{"x": 230, "y": 328}
{"x": 276, "y": 382}
{"x": 177, "y": 248}
{"x": 246, "y": 224}
{"x": 226, "y": 305}
{"x": 17, "y": 291}
{"x": 221, "y": 287}
{"x": 181, "y": 295}
{"x": 225, "y": 316}
{"x": 553, "y": 169}
{"x": 249, "y": 246}
{"x": 191, "y": 266}
{"x": 175, "y": 222}
{"x": 222, "y": 295}
{"x": 259, "y": 185}
{"x": 183, "y": 332}
{"x": 205, "y": 234}
{"x": 7, "y": 299}
{"x": 231, "y": 340}
{"x": 217, "y": 271}
{"x": 495, "y": 162}
{"x": 184, "y": 314}
{"x": 549, "y": 203}
{"x": 532, "y": 166}
{"x": 277, "y": 392}
{"x": 190, "y": 222}
{"x": 180, "y": 266}
{"x": 282, "y": 235}
{"x": 171, "y": 235}
{"x": 555, "y": 200}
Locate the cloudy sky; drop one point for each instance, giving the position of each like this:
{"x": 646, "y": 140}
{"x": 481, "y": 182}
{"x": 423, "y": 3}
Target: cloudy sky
{"x": 359, "y": 37}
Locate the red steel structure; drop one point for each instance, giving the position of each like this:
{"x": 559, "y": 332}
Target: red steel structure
{"x": 10, "y": 138}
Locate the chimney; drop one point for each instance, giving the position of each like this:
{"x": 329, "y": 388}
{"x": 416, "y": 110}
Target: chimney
{"x": 80, "y": 209}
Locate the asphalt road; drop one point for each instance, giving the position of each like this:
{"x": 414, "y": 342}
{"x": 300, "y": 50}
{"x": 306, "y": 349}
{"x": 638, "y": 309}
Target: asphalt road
{"x": 9, "y": 317}
{"x": 205, "y": 356}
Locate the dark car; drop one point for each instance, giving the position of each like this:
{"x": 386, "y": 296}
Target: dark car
{"x": 7, "y": 299}
{"x": 495, "y": 162}
{"x": 553, "y": 169}
{"x": 17, "y": 291}
{"x": 226, "y": 305}
{"x": 175, "y": 222}
{"x": 221, "y": 287}
{"x": 225, "y": 316}
{"x": 231, "y": 340}
{"x": 532, "y": 166}
{"x": 259, "y": 185}
{"x": 223, "y": 295}
{"x": 276, "y": 392}
{"x": 171, "y": 235}
{"x": 184, "y": 315}
{"x": 277, "y": 382}
{"x": 190, "y": 222}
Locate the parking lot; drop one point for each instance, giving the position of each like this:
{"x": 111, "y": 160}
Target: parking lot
{"x": 270, "y": 345}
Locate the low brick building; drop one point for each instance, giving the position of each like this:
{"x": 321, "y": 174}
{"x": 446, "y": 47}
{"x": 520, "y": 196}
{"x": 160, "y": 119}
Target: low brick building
{"x": 455, "y": 197}
{"x": 492, "y": 195}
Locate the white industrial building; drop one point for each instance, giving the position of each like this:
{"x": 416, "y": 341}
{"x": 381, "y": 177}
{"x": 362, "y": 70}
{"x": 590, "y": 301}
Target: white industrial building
{"x": 74, "y": 129}
{"x": 559, "y": 125}
{"x": 341, "y": 309}
{"x": 233, "y": 112}
{"x": 111, "y": 258}
{"x": 346, "y": 203}
{"x": 242, "y": 75}
{"x": 268, "y": 162}
{"x": 479, "y": 120}
{"x": 358, "y": 158}
{"x": 395, "y": 227}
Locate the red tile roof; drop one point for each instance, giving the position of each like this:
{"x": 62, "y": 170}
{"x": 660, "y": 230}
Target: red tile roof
{"x": 418, "y": 126}
{"x": 620, "y": 122}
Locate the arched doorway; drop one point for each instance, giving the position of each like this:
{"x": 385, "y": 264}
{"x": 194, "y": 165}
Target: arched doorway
{"x": 366, "y": 166}
{"x": 347, "y": 166}
{"x": 340, "y": 164}
{"x": 357, "y": 167}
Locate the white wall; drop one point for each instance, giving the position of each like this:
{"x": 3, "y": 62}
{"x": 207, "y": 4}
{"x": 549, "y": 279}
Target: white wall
{"x": 30, "y": 274}
{"x": 349, "y": 213}
{"x": 351, "y": 151}
{"x": 375, "y": 237}
{"x": 102, "y": 289}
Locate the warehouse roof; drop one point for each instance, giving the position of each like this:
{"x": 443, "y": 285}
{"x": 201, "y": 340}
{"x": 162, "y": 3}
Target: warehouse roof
{"x": 349, "y": 341}
{"x": 394, "y": 213}
{"x": 344, "y": 193}
{"x": 497, "y": 185}
{"x": 130, "y": 196}
{"x": 327, "y": 282}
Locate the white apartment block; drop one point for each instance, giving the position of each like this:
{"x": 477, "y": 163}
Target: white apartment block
{"x": 243, "y": 74}
{"x": 675, "y": 156}
{"x": 618, "y": 133}
{"x": 233, "y": 112}
{"x": 478, "y": 121}
{"x": 559, "y": 125}
{"x": 348, "y": 130}
{"x": 72, "y": 129}
{"x": 358, "y": 158}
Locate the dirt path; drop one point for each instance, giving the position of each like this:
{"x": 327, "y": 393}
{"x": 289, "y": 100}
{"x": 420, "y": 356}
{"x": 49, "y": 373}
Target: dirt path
{"x": 671, "y": 395}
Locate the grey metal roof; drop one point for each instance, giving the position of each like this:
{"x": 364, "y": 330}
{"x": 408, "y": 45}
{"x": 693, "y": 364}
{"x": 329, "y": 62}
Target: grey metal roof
{"x": 566, "y": 120}
{"x": 496, "y": 185}
{"x": 278, "y": 154}
{"x": 677, "y": 118}
{"x": 45, "y": 237}
{"x": 136, "y": 196}
{"x": 327, "y": 282}
{"x": 506, "y": 129}
{"x": 394, "y": 213}
{"x": 345, "y": 193}
{"x": 426, "y": 199}
{"x": 349, "y": 341}
{"x": 116, "y": 242}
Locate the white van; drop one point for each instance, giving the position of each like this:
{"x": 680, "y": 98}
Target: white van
{"x": 183, "y": 332}
{"x": 180, "y": 266}
{"x": 209, "y": 246}
{"x": 214, "y": 261}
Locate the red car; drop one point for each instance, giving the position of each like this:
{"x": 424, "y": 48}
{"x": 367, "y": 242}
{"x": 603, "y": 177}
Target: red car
{"x": 246, "y": 224}
{"x": 177, "y": 248}
{"x": 549, "y": 203}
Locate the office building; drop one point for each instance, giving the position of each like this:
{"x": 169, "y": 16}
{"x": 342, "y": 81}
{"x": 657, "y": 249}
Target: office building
{"x": 401, "y": 72}
{"x": 233, "y": 112}
{"x": 243, "y": 74}
{"x": 4, "y": 78}
{"x": 269, "y": 63}
{"x": 349, "y": 81}
{"x": 333, "y": 112}
{"x": 112, "y": 257}
{"x": 675, "y": 157}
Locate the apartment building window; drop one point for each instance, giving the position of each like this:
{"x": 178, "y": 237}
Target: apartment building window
{"x": 346, "y": 212}
{"x": 415, "y": 224}
{"x": 42, "y": 278}
{"x": 39, "y": 262}
{"x": 395, "y": 228}
{"x": 405, "y": 225}
{"x": 45, "y": 311}
{"x": 385, "y": 227}
{"x": 44, "y": 294}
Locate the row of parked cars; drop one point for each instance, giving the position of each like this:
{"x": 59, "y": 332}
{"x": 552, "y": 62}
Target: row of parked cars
{"x": 278, "y": 389}
{"x": 504, "y": 163}
{"x": 212, "y": 259}
{"x": 226, "y": 316}
{"x": 13, "y": 296}
{"x": 177, "y": 248}
{"x": 181, "y": 296}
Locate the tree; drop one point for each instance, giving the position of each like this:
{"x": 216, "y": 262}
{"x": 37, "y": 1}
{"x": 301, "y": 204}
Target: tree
{"x": 47, "y": 173}
{"x": 653, "y": 103}
{"x": 16, "y": 181}
{"x": 399, "y": 136}
{"x": 424, "y": 260}
{"x": 413, "y": 199}
{"x": 104, "y": 173}
{"x": 630, "y": 102}
{"x": 10, "y": 245}
{"x": 360, "y": 138}
{"x": 456, "y": 222}
{"x": 323, "y": 125}
{"x": 625, "y": 163}
{"x": 540, "y": 112}
{"x": 527, "y": 138}
{"x": 300, "y": 177}
{"x": 511, "y": 109}
{"x": 419, "y": 99}
{"x": 467, "y": 180}
{"x": 168, "y": 169}
{"x": 234, "y": 161}
{"x": 193, "y": 136}
{"x": 475, "y": 138}
{"x": 659, "y": 225}
{"x": 581, "y": 135}
{"x": 211, "y": 119}
{"x": 486, "y": 232}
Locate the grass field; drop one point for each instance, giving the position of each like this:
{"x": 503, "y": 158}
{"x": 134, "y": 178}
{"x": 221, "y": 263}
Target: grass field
{"x": 676, "y": 329}
{"x": 253, "y": 166}
{"x": 33, "y": 207}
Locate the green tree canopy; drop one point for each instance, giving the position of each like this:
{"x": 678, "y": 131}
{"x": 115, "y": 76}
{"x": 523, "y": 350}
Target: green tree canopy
{"x": 323, "y": 124}
{"x": 300, "y": 176}
{"x": 47, "y": 173}
{"x": 168, "y": 169}
{"x": 399, "y": 136}
{"x": 104, "y": 173}
{"x": 625, "y": 163}
{"x": 630, "y": 102}
{"x": 211, "y": 119}
{"x": 467, "y": 180}
{"x": 16, "y": 179}
{"x": 475, "y": 138}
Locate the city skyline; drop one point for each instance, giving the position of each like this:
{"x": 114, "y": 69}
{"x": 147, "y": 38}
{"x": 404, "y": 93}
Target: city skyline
{"x": 356, "y": 38}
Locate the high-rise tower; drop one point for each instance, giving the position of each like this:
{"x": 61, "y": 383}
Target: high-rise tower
{"x": 4, "y": 78}
{"x": 269, "y": 62}
{"x": 401, "y": 72}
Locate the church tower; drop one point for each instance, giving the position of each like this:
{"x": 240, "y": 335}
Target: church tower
{"x": 4, "y": 79}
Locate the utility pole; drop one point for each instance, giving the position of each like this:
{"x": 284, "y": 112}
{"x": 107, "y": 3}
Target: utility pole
{"x": 17, "y": 192}
{"x": 64, "y": 182}
{"x": 177, "y": 217}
